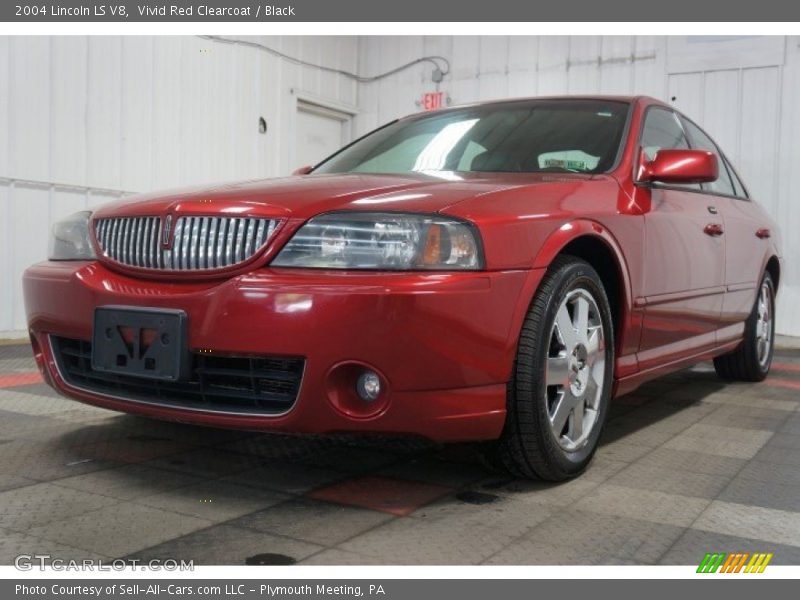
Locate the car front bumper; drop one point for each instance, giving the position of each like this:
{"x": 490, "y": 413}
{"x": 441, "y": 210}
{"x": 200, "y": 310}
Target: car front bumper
{"x": 443, "y": 343}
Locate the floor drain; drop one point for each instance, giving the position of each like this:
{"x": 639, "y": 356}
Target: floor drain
{"x": 471, "y": 497}
{"x": 270, "y": 559}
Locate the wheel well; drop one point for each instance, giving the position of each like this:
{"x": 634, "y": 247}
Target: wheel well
{"x": 602, "y": 258}
{"x": 774, "y": 269}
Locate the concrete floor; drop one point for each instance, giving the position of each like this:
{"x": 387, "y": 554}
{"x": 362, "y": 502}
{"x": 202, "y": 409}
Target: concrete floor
{"x": 688, "y": 465}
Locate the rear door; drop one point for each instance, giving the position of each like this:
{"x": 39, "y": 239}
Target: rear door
{"x": 745, "y": 250}
{"x": 684, "y": 257}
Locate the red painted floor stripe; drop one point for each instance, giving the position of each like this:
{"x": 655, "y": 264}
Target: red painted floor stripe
{"x": 790, "y": 367}
{"x": 15, "y": 379}
{"x": 784, "y": 383}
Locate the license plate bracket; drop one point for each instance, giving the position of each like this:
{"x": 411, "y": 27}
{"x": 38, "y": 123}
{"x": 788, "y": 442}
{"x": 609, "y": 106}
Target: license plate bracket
{"x": 141, "y": 342}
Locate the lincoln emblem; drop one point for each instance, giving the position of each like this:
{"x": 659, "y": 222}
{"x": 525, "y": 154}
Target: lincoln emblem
{"x": 167, "y": 231}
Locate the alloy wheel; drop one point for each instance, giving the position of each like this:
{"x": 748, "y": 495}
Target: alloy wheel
{"x": 764, "y": 325}
{"x": 575, "y": 369}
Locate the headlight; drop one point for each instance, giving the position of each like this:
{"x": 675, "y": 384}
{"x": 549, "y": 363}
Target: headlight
{"x": 388, "y": 241}
{"x": 70, "y": 239}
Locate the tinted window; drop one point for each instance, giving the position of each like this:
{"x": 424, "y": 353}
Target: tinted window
{"x": 581, "y": 136}
{"x": 662, "y": 130}
{"x": 740, "y": 189}
{"x": 700, "y": 140}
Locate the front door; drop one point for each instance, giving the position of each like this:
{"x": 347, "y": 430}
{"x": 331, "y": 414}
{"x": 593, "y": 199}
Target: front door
{"x": 684, "y": 258}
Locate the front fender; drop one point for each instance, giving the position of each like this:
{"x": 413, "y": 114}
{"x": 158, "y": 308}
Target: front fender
{"x": 629, "y": 327}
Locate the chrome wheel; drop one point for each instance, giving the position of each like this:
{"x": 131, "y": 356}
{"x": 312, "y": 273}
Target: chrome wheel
{"x": 558, "y": 396}
{"x": 575, "y": 369}
{"x": 764, "y": 325}
{"x": 751, "y": 360}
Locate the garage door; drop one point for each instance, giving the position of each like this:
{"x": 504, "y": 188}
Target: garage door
{"x": 739, "y": 109}
{"x": 320, "y": 132}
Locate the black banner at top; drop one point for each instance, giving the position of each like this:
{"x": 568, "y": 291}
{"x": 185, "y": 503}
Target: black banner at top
{"x": 281, "y": 11}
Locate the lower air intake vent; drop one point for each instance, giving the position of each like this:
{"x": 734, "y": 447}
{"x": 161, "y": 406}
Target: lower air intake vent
{"x": 258, "y": 385}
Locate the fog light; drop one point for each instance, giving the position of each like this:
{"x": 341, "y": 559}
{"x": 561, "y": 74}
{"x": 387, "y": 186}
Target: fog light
{"x": 368, "y": 386}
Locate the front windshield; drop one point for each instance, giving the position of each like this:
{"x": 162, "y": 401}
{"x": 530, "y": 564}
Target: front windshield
{"x": 580, "y": 136}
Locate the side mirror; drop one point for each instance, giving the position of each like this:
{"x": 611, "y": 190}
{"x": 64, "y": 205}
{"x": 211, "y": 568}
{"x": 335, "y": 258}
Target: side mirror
{"x": 679, "y": 166}
{"x": 303, "y": 170}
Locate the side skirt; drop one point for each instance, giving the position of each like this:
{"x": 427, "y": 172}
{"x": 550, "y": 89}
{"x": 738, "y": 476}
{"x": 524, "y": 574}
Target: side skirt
{"x": 628, "y": 384}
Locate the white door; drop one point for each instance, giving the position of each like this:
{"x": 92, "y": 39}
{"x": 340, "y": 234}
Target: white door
{"x": 319, "y": 132}
{"x": 738, "y": 108}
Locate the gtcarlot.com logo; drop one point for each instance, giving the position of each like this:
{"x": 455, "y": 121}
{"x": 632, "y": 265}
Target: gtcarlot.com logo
{"x": 29, "y": 562}
{"x": 737, "y": 562}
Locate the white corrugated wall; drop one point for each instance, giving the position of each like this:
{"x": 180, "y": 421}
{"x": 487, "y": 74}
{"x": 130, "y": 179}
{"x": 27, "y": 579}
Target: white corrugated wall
{"x": 86, "y": 119}
{"x": 744, "y": 90}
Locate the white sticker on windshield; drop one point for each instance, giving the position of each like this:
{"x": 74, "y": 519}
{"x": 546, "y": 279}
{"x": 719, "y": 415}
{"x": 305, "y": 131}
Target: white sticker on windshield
{"x": 569, "y": 160}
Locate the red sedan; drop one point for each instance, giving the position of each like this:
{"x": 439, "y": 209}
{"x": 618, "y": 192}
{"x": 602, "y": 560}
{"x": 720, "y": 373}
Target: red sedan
{"x": 490, "y": 272}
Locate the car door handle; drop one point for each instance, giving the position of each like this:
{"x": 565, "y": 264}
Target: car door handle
{"x": 763, "y": 233}
{"x": 713, "y": 229}
{"x": 712, "y": 210}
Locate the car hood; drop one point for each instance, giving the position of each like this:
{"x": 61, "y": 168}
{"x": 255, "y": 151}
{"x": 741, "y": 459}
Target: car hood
{"x": 302, "y": 197}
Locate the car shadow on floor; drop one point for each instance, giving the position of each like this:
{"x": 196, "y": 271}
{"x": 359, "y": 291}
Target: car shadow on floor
{"x": 656, "y": 402}
{"x": 664, "y": 406}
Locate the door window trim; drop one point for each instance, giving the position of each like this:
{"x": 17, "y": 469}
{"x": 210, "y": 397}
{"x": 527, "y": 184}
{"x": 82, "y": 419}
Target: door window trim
{"x": 736, "y": 181}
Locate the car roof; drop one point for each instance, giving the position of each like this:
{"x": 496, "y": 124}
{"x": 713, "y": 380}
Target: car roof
{"x": 523, "y": 100}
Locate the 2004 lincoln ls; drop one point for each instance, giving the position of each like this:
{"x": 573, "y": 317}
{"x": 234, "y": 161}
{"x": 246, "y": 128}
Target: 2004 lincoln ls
{"x": 491, "y": 272}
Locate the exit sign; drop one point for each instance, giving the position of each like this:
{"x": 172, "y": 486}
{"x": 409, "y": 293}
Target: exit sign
{"x": 432, "y": 100}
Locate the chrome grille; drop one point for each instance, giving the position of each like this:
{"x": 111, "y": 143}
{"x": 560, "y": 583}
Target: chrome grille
{"x": 199, "y": 243}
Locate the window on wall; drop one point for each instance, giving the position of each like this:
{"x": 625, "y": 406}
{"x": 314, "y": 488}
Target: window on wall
{"x": 662, "y": 130}
{"x": 723, "y": 185}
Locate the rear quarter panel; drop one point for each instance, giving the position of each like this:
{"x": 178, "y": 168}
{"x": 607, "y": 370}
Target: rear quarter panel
{"x": 746, "y": 260}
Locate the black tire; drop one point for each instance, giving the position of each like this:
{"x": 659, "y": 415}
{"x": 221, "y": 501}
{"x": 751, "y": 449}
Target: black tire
{"x": 528, "y": 447}
{"x": 743, "y": 364}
